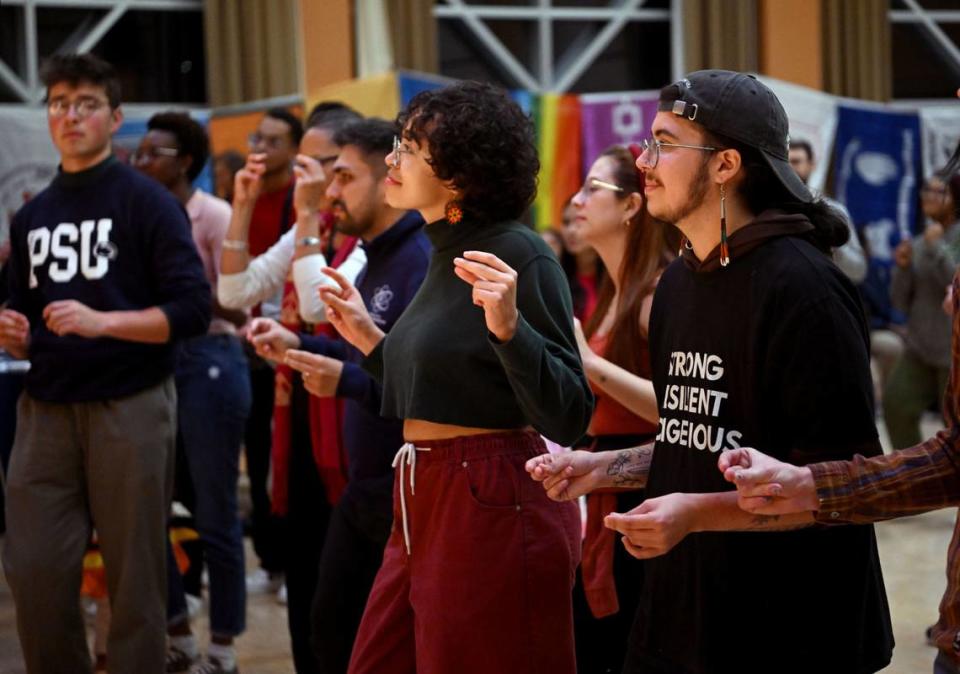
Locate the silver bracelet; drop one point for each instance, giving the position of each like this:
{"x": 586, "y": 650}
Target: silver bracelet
{"x": 234, "y": 244}
{"x": 308, "y": 241}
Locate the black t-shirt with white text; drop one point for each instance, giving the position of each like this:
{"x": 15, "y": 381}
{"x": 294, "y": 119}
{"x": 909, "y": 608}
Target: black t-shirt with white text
{"x": 770, "y": 352}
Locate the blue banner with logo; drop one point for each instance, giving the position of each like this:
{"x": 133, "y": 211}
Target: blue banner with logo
{"x": 877, "y": 167}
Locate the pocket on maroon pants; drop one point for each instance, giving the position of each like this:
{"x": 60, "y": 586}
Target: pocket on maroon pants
{"x": 492, "y": 483}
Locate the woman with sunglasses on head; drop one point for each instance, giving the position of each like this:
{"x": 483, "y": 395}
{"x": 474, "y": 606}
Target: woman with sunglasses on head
{"x": 478, "y": 570}
{"x": 611, "y": 218}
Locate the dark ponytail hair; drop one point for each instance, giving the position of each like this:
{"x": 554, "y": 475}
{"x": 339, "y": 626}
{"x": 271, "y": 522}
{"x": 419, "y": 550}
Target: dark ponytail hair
{"x": 762, "y": 190}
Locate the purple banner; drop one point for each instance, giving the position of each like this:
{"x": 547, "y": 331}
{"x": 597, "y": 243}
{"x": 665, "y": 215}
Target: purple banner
{"x": 615, "y": 119}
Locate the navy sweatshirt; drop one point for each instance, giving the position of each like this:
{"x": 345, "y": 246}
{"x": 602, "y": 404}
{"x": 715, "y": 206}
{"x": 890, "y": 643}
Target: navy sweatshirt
{"x": 397, "y": 263}
{"x": 114, "y": 240}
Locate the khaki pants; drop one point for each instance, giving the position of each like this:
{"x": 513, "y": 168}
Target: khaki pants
{"x": 106, "y": 464}
{"x": 913, "y": 388}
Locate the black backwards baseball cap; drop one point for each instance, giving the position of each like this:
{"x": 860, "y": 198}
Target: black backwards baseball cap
{"x": 738, "y": 106}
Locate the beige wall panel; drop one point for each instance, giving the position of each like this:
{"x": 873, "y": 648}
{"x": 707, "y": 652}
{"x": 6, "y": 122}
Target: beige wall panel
{"x": 791, "y": 41}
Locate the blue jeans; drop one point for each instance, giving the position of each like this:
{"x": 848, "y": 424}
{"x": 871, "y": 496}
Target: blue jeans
{"x": 213, "y": 390}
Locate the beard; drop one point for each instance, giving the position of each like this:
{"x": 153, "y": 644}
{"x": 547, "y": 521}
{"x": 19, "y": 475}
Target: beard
{"x": 348, "y": 226}
{"x": 697, "y": 193}
{"x": 347, "y": 223}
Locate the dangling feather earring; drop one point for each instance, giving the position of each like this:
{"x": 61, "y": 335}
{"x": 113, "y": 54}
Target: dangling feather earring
{"x": 724, "y": 249}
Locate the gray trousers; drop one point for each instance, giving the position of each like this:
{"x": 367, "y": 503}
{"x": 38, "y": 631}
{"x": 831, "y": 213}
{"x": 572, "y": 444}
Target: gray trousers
{"x": 106, "y": 464}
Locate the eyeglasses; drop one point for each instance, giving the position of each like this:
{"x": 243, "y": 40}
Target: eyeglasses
{"x": 650, "y": 156}
{"x": 82, "y": 107}
{"x": 594, "y": 184}
{"x": 143, "y": 156}
{"x": 271, "y": 142}
{"x": 398, "y": 151}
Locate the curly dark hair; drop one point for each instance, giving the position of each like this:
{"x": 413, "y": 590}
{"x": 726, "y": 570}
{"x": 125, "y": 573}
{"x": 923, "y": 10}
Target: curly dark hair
{"x": 191, "y": 138}
{"x": 480, "y": 141}
{"x": 76, "y": 68}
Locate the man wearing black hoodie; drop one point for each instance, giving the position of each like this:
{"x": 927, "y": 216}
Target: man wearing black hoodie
{"x": 756, "y": 338}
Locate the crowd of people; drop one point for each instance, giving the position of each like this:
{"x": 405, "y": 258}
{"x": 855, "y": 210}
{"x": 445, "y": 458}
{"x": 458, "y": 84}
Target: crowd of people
{"x": 470, "y": 447}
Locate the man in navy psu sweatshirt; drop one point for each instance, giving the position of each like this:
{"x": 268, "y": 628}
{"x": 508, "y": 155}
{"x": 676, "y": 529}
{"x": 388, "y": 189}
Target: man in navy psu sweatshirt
{"x": 104, "y": 279}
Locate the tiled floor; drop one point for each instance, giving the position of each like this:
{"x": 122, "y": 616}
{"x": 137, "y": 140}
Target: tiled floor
{"x": 913, "y": 552}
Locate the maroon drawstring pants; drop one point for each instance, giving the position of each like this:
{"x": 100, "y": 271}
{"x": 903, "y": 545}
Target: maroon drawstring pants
{"x": 486, "y": 587}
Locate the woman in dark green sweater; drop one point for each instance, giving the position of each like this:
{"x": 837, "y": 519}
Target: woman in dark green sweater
{"x": 478, "y": 571}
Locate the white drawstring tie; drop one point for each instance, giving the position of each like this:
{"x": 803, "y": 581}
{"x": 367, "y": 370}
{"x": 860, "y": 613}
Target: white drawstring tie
{"x": 407, "y": 454}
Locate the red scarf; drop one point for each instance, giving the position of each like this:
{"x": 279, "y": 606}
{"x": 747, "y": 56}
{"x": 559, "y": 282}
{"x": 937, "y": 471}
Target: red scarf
{"x": 325, "y": 414}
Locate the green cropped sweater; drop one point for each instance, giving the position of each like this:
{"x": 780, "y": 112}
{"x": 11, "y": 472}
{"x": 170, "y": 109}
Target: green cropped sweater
{"x": 439, "y": 362}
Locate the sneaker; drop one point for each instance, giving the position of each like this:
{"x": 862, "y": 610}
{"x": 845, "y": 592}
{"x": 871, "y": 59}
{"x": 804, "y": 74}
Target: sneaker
{"x": 89, "y": 607}
{"x": 179, "y": 662}
{"x": 194, "y": 604}
{"x": 262, "y": 582}
{"x": 211, "y": 665}
{"x": 282, "y": 595}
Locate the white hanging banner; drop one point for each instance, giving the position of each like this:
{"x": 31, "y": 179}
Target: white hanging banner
{"x": 940, "y": 130}
{"x": 813, "y": 118}
{"x": 28, "y": 161}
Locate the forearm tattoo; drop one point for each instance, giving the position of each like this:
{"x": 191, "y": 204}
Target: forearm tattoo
{"x": 630, "y": 467}
{"x": 772, "y": 523}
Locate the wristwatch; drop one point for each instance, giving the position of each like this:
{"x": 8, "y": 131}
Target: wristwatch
{"x": 309, "y": 241}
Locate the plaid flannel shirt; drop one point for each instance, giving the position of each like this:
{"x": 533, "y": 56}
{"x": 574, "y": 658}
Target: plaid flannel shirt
{"x": 907, "y": 482}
